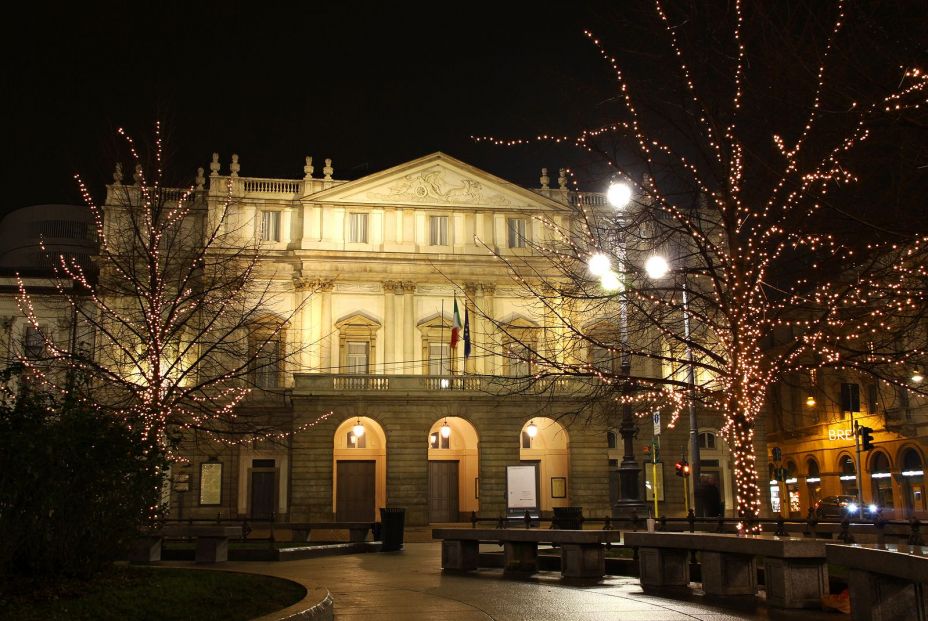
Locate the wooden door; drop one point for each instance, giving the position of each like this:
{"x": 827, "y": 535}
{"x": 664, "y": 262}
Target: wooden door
{"x": 355, "y": 491}
{"x": 443, "y": 491}
{"x": 262, "y": 494}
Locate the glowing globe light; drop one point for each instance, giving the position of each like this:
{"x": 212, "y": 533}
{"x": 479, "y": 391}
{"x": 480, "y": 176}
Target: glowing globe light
{"x": 657, "y": 267}
{"x": 532, "y": 429}
{"x": 445, "y": 429}
{"x": 619, "y": 195}
{"x": 358, "y": 429}
{"x": 917, "y": 377}
{"x": 810, "y": 401}
{"x": 599, "y": 264}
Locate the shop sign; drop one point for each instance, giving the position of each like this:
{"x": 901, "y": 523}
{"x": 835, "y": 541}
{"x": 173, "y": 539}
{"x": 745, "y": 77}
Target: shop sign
{"x": 840, "y": 434}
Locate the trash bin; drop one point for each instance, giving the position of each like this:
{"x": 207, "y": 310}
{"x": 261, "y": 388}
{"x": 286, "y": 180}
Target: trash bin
{"x": 393, "y": 523}
{"x": 568, "y": 518}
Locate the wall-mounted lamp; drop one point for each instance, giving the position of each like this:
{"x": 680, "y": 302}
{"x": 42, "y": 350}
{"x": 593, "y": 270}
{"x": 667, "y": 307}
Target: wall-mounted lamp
{"x": 532, "y": 429}
{"x": 358, "y": 429}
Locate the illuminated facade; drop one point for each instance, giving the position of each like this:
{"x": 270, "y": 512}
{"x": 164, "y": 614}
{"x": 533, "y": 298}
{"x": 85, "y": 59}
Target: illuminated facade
{"x": 373, "y": 268}
{"x": 813, "y": 428}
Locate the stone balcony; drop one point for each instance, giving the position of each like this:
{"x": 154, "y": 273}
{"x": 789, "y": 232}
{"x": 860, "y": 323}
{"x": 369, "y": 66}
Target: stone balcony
{"x": 306, "y": 384}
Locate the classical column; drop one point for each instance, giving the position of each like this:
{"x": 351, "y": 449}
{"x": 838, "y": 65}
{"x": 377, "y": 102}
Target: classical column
{"x": 389, "y": 326}
{"x": 492, "y": 356}
{"x": 326, "y": 330}
{"x": 409, "y": 328}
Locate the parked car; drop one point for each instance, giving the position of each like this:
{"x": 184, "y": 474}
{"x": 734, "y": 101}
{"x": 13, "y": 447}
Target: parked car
{"x": 840, "y": 507}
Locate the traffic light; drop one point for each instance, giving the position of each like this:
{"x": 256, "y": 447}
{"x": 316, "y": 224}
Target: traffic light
{"x": 866, "y": 438}
{"x": 683, "y": 468}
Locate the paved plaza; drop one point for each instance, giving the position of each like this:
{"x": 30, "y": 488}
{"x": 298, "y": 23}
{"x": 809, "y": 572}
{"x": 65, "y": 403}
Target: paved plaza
{"x": 409, "y": 585}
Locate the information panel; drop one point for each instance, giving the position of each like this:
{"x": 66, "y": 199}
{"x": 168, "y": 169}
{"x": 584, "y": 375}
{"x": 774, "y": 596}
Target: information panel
{"x": 521, "y": 487}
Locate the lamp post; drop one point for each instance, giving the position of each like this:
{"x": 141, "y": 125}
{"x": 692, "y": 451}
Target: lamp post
{"x": 629, "y": 499}
{"x": 657, "y": 267}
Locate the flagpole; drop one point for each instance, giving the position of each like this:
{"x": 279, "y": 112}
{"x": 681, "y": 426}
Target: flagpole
{"x": 441, "y": 355}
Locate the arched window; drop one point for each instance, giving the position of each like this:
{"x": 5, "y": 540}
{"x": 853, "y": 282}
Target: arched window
{"x": 707, "y": 440}
{"x": 813, "y": 481}
{"x": 881, "y": 485}
{"x": 913, "y": 481}
{"x": 847, "y": 475}
{"x": 611, "y": 440}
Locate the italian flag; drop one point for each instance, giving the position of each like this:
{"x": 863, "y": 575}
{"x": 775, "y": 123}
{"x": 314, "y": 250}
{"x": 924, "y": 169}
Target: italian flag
{"x": 455, "y": 325}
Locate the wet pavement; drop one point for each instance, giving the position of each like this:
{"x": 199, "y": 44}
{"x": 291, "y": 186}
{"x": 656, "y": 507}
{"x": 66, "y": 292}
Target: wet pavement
{"x": 410, "y": 585}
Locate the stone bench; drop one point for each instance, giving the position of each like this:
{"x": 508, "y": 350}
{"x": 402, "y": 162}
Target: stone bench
{"x": 884, "y": 581}
{"x": 357, "y": 531}
{"x": 212, "y": 542}
{"x": 582, "y": 551}
{"x": 795, "y": 570}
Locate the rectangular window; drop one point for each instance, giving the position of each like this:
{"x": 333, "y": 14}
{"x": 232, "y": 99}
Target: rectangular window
{"x": 270, "y": 226}
{"x": 356, "y": 357}
{"x": 211, "y": 483}
{"x": 267, "y": 365}
{"x": 850, "y": 397}
{"x": 516, "y": 229}
{"x": 357, "y": 228}
{"x": 438, "y": 230}
{"x": 519, "y": 360}
{"x": 439, "y": 359}
{"x": 438, "y": 441}
{"x": 602, "y": 358}
{"x": 34, "y": 344}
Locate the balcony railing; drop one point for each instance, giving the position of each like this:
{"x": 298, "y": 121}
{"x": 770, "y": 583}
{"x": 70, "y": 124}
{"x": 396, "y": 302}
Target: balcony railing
{"x": 495, "y": 385}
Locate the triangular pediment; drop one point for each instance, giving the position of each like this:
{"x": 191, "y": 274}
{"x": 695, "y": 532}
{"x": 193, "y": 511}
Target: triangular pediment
{"x": 437, "y": 180}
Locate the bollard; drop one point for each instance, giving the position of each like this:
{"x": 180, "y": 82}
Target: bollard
{"x": 691, "y": 519}
{"x": 811, "y": 524}
{"x": 607, "y": 523}
{"x": 915, "y": 539}
{"x": 528, "y": 519}
{"x": 499, "y": 521}
{"x": 781, "y": 526}
{"x": 845, "y": 534}
{"x": 473, "y": 519}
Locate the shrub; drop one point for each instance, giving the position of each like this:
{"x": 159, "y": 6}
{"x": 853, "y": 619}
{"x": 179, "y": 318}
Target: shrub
{"x": 76, "y": 484}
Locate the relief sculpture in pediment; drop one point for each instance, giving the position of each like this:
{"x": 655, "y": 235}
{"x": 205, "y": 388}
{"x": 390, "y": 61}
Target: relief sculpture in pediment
{"x": 431, "y": 186}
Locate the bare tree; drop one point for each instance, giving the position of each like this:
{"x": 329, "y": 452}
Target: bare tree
{"x": 744, "y": 192}
{"x": 178, "y": 319}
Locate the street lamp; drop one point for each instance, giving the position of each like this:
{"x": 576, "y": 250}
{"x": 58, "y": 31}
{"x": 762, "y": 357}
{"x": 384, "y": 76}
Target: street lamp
{"x": 657, "y": 267}
{"x": 629, "y": 502}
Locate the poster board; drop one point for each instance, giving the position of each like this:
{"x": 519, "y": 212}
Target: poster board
{"x": 521, "y": 487}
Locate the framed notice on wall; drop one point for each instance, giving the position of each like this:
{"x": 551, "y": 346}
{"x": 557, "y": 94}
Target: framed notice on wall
{"x": 521, "y": 487}
{"x": 558, "y": 487}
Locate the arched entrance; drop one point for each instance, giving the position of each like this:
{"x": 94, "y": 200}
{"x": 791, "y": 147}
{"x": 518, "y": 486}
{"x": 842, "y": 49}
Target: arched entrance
{"x": 847, "y": 474}
{"x": 913, "y": 480}
{"x": 359, "y": 470}
{"x": 544, "y": 443}
{"x": 881, "y": 483}
{"x": 792, "y": 490}
{"x": 453, "y": 470}
{"x": 813, "y": 481}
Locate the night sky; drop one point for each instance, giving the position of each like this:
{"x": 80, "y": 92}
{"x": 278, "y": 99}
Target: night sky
{"x": 369, "y": 85}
